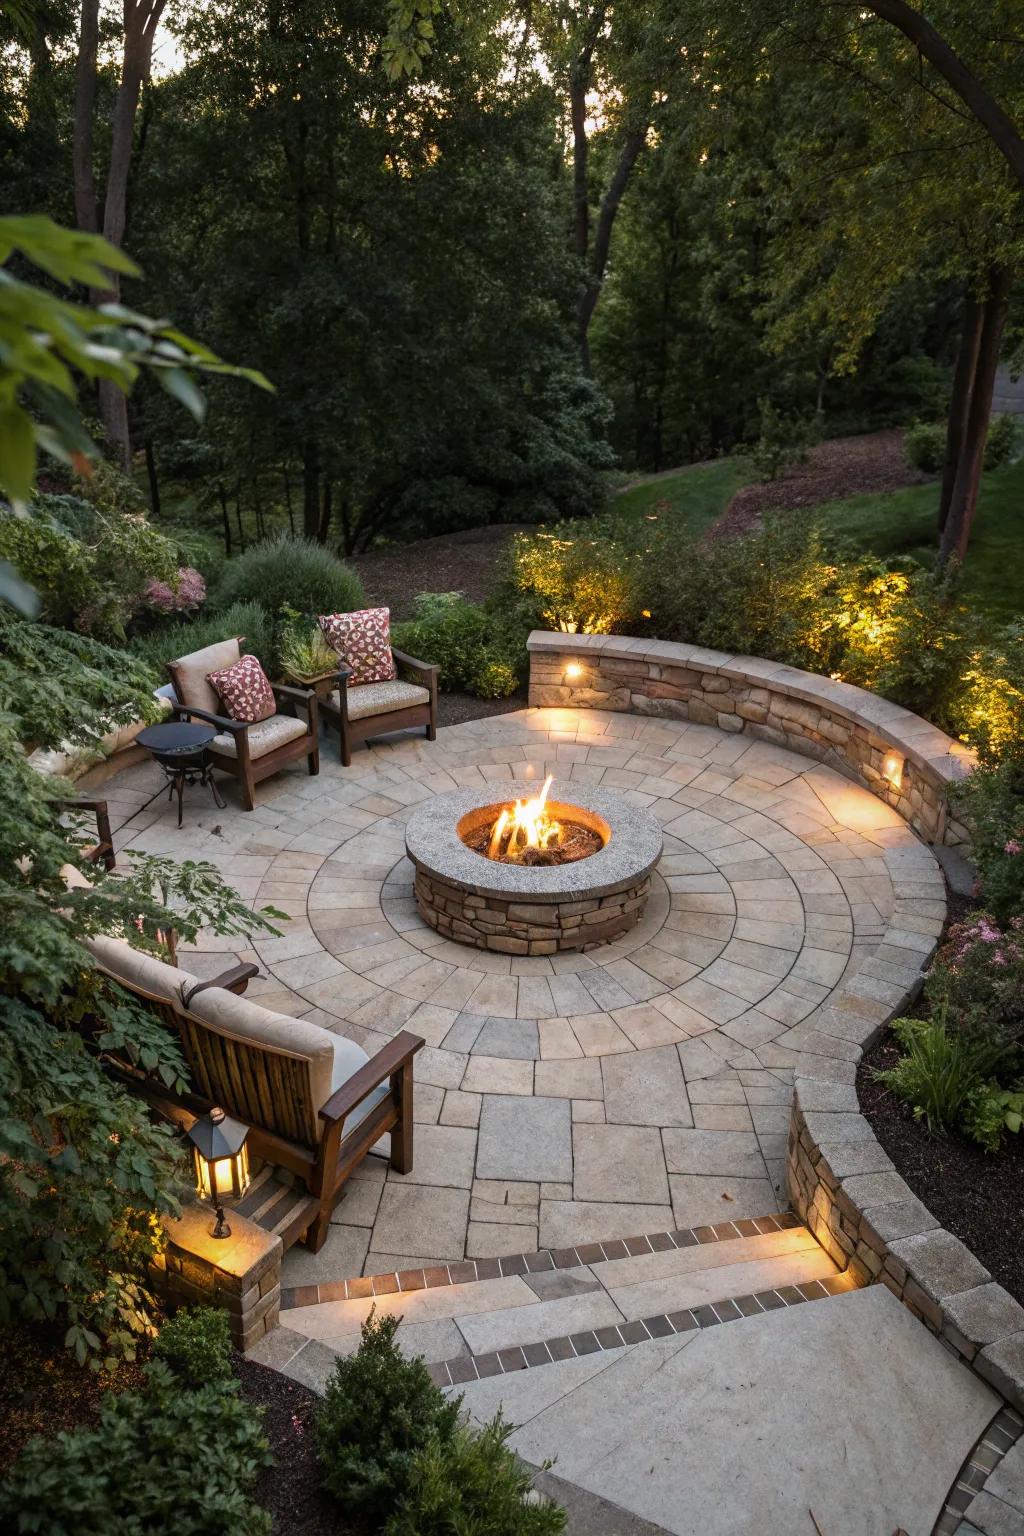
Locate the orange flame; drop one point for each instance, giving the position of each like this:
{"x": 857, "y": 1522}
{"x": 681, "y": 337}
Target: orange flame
{"x": 524, "y": 825}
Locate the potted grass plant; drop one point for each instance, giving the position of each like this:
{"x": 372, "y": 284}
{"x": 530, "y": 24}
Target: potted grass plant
{"x": 307, "y": 659}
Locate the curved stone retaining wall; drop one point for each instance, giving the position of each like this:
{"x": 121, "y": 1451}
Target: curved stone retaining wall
{"x": 854, "y": 731}
{"x": 841, "y": 1181}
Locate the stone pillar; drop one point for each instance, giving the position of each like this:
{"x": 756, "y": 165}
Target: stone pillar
{"x": 240, "y": 1273}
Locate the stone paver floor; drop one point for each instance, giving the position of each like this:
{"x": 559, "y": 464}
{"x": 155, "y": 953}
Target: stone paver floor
{"x": 640, "y": 1087}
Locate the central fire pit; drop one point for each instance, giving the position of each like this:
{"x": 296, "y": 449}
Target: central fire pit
{"x": 525, "y": 872}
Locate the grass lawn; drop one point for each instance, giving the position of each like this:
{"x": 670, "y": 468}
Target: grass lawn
{"x": 693, "y": 498}
{"x": 903, "y": 523}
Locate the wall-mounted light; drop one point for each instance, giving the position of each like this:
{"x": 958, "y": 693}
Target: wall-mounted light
{"x": 893, "y": 767}
{"x": 221, "y": 1161}
{"x": 573, "y": 671}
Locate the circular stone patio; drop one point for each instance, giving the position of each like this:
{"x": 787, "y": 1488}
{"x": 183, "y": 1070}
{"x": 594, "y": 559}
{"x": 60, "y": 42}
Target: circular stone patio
{"x": 638, "y": 1087}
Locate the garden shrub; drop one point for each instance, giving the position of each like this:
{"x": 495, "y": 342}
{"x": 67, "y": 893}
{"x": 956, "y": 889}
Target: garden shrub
{"x": 784, "y": 440}
{"x": 303, "y": 650}
{"x": 924, "y": 444}
{"x": 991, "y": 800}
{"x": 184, "y": 595}
{"x": 578, "y": 578}
{"x": 286, "y": 572}
{"x": 944, "y": 1070}
{"x": 978, "y": 978}
{"x": 991, "y": 715}
{"x": 165, "y": 1457}
{"x": 379, "y": 1412}
{"x": 195, "y": 1345}
{"x": 1002, "y": 441}
{"x": 478, "y": 650}
{"x": 172, "y": 640}
{"x": 472, "y": 1482}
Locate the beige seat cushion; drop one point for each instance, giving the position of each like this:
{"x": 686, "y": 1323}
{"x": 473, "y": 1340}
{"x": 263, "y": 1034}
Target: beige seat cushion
{"x": 138, "y": 969}
{"x": 264, "y": 736}
{"x": 189, "y": 674}
{"x": 380, "y": 698}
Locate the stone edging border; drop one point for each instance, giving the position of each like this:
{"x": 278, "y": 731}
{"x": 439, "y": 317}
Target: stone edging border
{"x": 466, "y": 1271}
{"x": 841, "y": 1182}
{"x": 853, "y": 731}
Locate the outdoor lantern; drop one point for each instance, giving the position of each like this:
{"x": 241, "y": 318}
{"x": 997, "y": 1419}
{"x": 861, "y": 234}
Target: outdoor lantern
{"x": 574, "y": 670}
{"x": 221, "y": 1162}
{"x": 893, "y": 767}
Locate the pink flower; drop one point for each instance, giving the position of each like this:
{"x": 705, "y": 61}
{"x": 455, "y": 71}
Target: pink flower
{"x": 1013, "y": 846}
{"x": 190, "y": 592}
{"x": 297, "y": 1425}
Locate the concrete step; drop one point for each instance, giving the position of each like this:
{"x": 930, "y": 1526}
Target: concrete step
{"x": 478, "y": 1327}
{"x": 842, "y": 1416}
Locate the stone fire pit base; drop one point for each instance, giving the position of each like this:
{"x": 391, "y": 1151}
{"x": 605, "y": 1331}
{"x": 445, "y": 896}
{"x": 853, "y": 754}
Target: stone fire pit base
{"x": 519, "y": 927}
{"x": 519, "y": 909}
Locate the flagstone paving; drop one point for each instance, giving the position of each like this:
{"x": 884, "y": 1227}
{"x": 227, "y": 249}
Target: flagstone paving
{"x": 640, "y": 1087}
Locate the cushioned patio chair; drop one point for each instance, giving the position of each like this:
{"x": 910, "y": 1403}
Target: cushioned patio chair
{"x": 374, "y": 709}
{"x": 248, "y": 752}
{"x": 315, "y": 1103}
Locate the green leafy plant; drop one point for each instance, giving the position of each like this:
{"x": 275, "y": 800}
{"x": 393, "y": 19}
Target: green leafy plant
{"x": 579, "y": 578}
{"x": 942, "y": 1069}
{"x": 305, "y": 653}
{"x": 196, "y": 889}
{"x": 977, "y": 979}
{"x": 991, "y": 1112}
{"x": 195, "y": 1345}
{"x": 379, "y": 1412}
{"x": 165, "y": 1457}
{"x": 46, "y": 341}
{"x": 473, "y": 1482}
{"x": 286, "y": 572}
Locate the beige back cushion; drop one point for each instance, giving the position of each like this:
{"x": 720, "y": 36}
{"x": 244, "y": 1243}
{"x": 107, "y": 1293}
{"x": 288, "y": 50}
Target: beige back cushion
{"x": 189, "y": 675}
{"x": 137, "y": 969}
{"x": 272, "y": 1033}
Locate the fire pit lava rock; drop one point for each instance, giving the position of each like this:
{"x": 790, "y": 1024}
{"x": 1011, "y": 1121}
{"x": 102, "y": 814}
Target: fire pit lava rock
{"x": 523, "y": 908}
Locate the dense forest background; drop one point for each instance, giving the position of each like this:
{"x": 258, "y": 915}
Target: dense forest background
{"x": 577, "y": 237}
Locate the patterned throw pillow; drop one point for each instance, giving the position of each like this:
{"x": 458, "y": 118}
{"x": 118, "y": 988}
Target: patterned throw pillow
{"x": 245, "y": 691}
{"x": 363, "y": 641}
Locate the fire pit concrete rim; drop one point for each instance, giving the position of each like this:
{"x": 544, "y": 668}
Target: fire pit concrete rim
{"x": 634, "y": 848}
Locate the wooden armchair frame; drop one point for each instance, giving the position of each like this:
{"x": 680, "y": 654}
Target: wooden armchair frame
{"x": 102, "y": 851}
{"x": 249, "y": 770}
{"x": 324, "y": 1168}
{"x": 352, "y": 732}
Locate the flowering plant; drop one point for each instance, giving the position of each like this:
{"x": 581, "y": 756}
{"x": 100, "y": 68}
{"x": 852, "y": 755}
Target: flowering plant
{"x": 979, "y": 976}
{"x": 182, "y": 596}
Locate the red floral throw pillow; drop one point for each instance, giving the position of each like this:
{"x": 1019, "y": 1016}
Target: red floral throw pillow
{"x": 363, "y": 641}
{"x": 245, "y": 691}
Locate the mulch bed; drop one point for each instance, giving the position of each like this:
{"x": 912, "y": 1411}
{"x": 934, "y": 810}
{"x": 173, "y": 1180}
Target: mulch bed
{"x": 43, "y": 1391}
{"x": 454, "y": 708}
{"x": 846, "y": 466}
{"x": 290, "y": 1489}
{"x": 453, "y": 562}
{"x": 977, "y": 1197}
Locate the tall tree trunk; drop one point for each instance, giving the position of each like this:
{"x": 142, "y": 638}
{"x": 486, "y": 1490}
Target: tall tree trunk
{"x": 956, "y": 534}
{"x": 324, "y": 525}
{"x": 628, "y": 156}
{"x": 960, "y": 400}
{"x": 288, "y": 500}
{"x": 310, "y": 489}
{"x": 238, "y": 515}
{"x": 85, "y": 103}
{"x": 154, "y": 483}
{"x": 225, "y": 519}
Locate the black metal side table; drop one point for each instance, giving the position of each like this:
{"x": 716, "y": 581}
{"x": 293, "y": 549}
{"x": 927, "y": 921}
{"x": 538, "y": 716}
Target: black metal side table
{"x": 182, "y": 751}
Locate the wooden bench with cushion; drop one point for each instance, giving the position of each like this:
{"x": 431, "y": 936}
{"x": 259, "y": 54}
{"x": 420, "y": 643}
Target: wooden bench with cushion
{"x": 315, "y": 1103}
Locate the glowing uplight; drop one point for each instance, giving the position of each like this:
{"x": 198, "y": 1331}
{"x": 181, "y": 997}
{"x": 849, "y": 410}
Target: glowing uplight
{"x": 892, "y": 768}
{"x": 573, "y": 670}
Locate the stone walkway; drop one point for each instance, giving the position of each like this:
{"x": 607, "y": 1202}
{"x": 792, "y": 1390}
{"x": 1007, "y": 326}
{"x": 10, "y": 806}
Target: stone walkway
{"x": 642, "y": 1087}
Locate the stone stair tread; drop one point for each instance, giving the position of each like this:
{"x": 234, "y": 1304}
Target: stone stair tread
{"x": 485, "y": 1315}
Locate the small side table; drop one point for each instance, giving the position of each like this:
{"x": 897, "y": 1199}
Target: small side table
{"x": 181, "y": 749}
